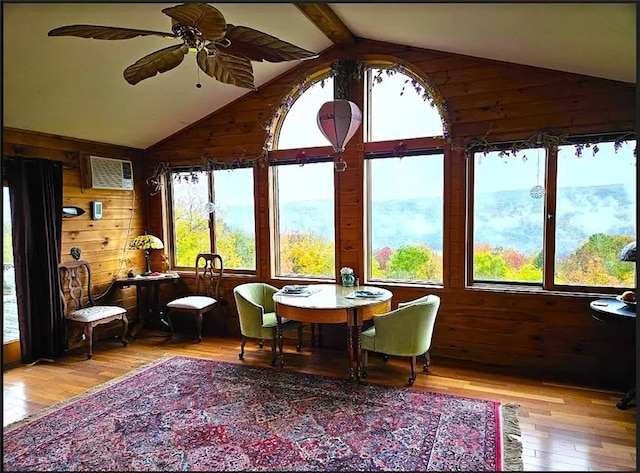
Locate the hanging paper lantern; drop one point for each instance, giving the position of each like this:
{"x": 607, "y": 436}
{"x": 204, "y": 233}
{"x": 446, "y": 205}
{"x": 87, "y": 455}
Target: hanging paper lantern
{"x": 338, "y": 121}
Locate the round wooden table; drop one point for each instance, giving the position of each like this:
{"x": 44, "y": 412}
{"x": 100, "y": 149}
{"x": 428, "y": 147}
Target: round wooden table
{"x": 333, "y": 304}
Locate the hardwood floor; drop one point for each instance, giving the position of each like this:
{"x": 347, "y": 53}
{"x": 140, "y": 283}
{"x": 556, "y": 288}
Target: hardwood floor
{"x": 564, "y": 428}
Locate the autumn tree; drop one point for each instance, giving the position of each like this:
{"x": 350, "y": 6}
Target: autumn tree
{"x": 306, "y": 254}
{"x": 414, "y": 262}
{"x": 597, "y": 262}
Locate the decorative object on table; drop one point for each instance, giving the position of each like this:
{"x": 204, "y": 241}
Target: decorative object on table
{"x": 628, "y": 298}
{"x": 146, "y": 242}
{"x": 347, "y": 276}
{"x": 299, "y": 290}
{"x": 257, "y": 316}
{"x": 75, "y": 253}
{"x": 81, "y": 308}
{"x": 223, "y": 51}
{"x": 276, "y": 421}
{"x": 406, "y": 331}
{"x": 209, "y": 268}
{"x": 363, "y": 293}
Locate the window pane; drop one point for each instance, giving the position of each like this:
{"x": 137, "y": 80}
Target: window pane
{"x": 305, "y": 220}
{"x": 190, "y": 218}
{"x": 235, "y": 218}
{"x": 300, "y": 125}
{"x": 595, "y": 217}
{"x": 508, "y": 221}
{"x": 394, "y": 116}
{"x": 10, "y": 330}
{"x": 406, "y": 220}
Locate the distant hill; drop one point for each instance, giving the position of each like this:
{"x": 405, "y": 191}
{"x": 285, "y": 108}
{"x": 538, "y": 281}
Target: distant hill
{"x": 501, "y": 218}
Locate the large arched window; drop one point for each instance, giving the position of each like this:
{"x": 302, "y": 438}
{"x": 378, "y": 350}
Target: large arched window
{"x": 405, "y": 178}
{"x": 303, "y": 190}
{"x": 404, "y": 130}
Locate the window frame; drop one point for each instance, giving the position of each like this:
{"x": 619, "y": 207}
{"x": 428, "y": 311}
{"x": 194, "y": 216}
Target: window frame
{"x": 321, "y": 154}
{"x": 398, "y": 147}
{"x": 416, "y": 150}
{"x": 170, "y": 217}
{"x": 548, "y": 284}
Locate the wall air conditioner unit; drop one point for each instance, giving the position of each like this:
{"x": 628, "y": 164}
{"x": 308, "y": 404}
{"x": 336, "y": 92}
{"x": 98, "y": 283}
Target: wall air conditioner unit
{"x": 107, "y": 173}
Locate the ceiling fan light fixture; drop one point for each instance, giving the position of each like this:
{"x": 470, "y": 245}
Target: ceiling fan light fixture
{"x": 202, "y": 30}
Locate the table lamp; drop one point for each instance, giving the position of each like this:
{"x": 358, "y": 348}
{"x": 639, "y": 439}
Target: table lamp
{"x": 146, "y": 242}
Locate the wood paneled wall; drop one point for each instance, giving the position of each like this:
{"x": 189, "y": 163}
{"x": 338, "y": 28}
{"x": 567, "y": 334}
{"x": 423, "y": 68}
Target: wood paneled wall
{"x": 551, "y": 335}
{"x": 104, "y": 243}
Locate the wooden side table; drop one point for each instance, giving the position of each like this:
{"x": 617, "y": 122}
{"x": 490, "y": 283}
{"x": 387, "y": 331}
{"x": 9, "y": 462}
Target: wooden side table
{"x": 147, "y": 296}
{"x": 617, "y": 312}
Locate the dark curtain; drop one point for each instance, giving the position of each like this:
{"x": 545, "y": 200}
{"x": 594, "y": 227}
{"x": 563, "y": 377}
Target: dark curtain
{"x": 35, "y": 190}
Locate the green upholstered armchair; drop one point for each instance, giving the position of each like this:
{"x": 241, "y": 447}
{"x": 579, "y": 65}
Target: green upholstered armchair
{"x": 256, "y": 311}
{"x": 405, "y": 331}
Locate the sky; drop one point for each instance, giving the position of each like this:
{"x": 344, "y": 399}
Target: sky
{"x": 404, "y": 114}
{"x": 606, "y": 167}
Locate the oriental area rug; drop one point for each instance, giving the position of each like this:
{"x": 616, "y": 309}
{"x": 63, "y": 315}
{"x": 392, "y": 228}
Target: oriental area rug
{"x": 184, "y": 413}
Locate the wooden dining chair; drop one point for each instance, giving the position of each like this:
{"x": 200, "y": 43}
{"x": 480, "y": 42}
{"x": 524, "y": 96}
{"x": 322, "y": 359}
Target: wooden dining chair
{"x": 208, "y": 269}
{"x": 80, "y": 309}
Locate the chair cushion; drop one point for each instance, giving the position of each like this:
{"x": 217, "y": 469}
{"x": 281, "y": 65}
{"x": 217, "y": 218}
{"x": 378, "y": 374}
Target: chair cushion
{"x": 91, "y": 314}
{"x": 192, "y": 303}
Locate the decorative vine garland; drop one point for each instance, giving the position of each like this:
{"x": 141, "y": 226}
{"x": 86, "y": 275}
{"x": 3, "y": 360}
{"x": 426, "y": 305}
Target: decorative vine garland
{"x": 353, "y": 70}
{"x": 541, "y": 139}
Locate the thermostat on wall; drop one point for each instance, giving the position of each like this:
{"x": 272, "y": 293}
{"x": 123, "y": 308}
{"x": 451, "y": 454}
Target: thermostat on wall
{"x": 96, "y": 210}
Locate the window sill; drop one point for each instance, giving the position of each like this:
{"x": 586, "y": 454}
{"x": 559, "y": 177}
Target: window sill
{"x": 517, "y": 289}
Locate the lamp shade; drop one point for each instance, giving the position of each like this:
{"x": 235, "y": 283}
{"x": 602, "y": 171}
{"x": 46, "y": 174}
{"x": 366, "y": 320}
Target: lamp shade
{"x": 338, "y": 121}
{"x": 146, "y": 242}
{"x": 628, "y": 253}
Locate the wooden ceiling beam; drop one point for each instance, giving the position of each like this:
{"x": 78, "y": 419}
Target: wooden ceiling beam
{"x": 325, "y": 19}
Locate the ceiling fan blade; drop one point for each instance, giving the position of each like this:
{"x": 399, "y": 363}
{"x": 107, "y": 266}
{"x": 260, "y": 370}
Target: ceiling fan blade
{"x": 259, "y": 46}
{"x": 160, "y": 61}
{"x": 227, "y": 69}
{"x": 204, "y": 17}
{"x": 104, "y": 32}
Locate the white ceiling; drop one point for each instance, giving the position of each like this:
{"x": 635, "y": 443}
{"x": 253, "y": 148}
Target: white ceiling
{"x": 74, "y": 86}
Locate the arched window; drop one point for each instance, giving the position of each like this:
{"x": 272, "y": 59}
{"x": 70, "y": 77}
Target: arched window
{"x": 404, "y": 150}
{"x": 303, "y": 190}
{"x": 398, "y": 107}
{"x": 299, "y": 128}
{"x": 405, "y": 178}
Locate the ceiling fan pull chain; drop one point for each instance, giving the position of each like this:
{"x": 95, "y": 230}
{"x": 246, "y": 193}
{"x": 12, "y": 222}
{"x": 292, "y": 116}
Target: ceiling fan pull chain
{"x": 198, "y": 85}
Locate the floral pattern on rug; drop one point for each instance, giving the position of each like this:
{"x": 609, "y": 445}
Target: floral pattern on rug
{"x": 186, "y": 414}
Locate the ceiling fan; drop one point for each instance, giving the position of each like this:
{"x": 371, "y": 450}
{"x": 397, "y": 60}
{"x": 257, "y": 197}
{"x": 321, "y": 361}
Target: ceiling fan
{"x": 223, "y": 51}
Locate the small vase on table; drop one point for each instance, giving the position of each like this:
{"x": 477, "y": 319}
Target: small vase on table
{"x": 348, "y": 280}
{"x": 347, "y": 276}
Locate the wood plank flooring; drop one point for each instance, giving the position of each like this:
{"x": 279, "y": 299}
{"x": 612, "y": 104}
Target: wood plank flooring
{"x": 564, "y": 428}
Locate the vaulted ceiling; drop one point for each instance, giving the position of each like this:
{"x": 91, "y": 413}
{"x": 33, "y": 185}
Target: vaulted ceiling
{"x": 74, "y": 87}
